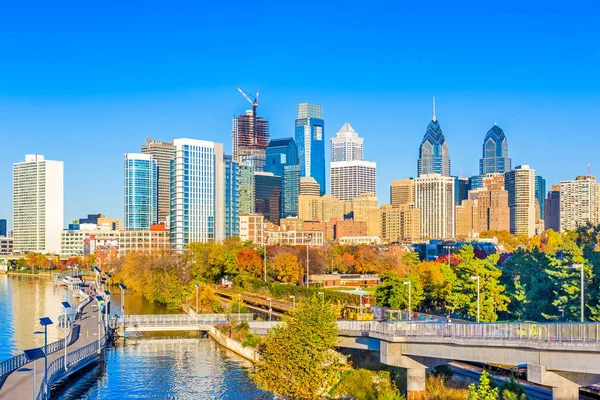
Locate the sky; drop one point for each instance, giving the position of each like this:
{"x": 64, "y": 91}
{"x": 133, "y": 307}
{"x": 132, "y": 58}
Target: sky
{"x": 87, "y": 82}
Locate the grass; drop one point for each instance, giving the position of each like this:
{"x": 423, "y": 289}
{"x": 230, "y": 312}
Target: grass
{"x": 438, "y": 388}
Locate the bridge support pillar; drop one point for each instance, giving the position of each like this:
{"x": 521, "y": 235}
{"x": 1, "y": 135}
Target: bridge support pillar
{"x": 565, "y": 393}
{"x": 415, "y": 383}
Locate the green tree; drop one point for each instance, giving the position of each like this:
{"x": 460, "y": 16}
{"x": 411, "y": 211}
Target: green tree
{"x": 484, "y": 391}
{"x": 463, "y": 296}
{"x": 392, "y": 292}
{"x": 299, "y": 359}
{"x": 410, "y": 258}
{"x": 512, "y": 390}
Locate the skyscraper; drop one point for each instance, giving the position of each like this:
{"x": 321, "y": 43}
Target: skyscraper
{"x": 232, "y": 196}
{"x": 141, "y": 201}
{"x": 434, "y": 155}
{"x": 268, "y": 196}
{"x": 492, "y": 199}
{"x": 402, "y": 192}
{"x": 3, "y": 230}
{"x": 246, "y": 189}
{"x": 250, "y": 136}
{"x": 350, "y": 176}
{"x": 309, "y": 187}
{"x": 520, "y": 184}
{"x": 310, "y": 135}
{"x": 197, "y": 193}
{"x": 578, "y": 203}
{"x": 38, "y": 204}
{"x": 552, "y": 209}
{"x": 540, "y": 194}
{"x": 495, "y": 153}
{"x": 434, "y": 197}
{"x": 162, "y": 153}
{"x": 282, "y": 160}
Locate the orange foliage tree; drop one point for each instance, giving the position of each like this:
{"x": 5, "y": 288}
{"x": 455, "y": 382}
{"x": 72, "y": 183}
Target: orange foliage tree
{"x": 249, "y": 263}
{"x": 286, "y": 268}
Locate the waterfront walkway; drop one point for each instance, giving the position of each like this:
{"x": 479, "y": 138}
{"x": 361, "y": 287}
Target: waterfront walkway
{"x": 84, "y": 335}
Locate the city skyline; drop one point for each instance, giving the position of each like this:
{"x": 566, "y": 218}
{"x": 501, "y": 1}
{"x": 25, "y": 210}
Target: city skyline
{"x": 87, "y": 109}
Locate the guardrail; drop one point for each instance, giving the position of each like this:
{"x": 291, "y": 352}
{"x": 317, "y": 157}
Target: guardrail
{"x": 176, "y": 319}
{"x": 575, "y": 332}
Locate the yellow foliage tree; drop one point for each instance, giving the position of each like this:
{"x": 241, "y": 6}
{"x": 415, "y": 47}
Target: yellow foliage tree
{"x": 286, "y": 268}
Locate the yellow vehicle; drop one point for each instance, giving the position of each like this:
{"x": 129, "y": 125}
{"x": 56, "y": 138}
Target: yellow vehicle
{"x": 393, "y": 315}
{"x": 352, "y": 312}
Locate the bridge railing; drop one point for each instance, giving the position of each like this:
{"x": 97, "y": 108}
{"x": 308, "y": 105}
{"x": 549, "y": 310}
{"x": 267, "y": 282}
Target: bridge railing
{"x": 523, "y": 331}
{"x": 176, "y": 319}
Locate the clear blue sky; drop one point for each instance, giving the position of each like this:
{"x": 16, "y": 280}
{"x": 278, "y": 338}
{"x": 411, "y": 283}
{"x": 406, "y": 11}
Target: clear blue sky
{"x": 86, "y": 82}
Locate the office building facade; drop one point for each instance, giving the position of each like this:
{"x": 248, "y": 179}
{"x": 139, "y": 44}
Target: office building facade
{"x": 402, "y": 192}
{"x": 162, "y": 153}
{"x": 495, "y": 153}
{"x": 246, "y": 189}
{"x": 197, "y": 193}
{"x": 434, "y": 197}
{"x": 310, "y": 139}
{"x": 540, "y": 195}
{"x": 232, "y": 196}
{"x": 434, "y": 154}
{"x": 38, "y": 204}
{"x": 141, "y": 191}
{"x": 250, "y": 137}
{"x": 346, "y": 145}
{"x": 283, "y": 161}
{"x": 3, "y": 228}
{"x": 350, "y": 179}
{"x": 552, "y": 209}
{"x": 520, "y": 184}
{"x": 578, "y": 203}
{"x": 267, "y": 194}
{"x": 309, "y": 186}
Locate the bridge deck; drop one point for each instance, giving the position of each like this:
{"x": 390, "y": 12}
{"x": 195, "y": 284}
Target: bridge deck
{"x": 20, "y": 385}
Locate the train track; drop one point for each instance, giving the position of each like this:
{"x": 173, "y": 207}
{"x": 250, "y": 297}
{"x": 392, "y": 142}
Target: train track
{"x": 252, "y": 300}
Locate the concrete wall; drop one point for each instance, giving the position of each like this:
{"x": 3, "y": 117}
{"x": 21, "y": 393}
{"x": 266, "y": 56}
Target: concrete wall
{"x": 248, "y": 353}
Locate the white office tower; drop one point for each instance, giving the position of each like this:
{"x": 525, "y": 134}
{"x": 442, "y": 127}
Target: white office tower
{"x": 434, "y": 196}
{"x": 578, "y": 203}
{"x": 349, "y": 175}
{"x": 197, "y": 193}
{"x": 520, "y": 184}
{"x": 38, "y": 204}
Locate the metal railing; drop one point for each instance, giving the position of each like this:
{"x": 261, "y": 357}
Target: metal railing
{"x": 519, "y": 331}
{"x": 176, "y": 320}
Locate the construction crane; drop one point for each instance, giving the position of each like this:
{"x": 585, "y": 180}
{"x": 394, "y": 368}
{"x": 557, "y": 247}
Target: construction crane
{"x": 254, "y": 103}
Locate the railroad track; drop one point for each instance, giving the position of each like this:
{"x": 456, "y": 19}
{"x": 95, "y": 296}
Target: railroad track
{"x": 278, "y": 306}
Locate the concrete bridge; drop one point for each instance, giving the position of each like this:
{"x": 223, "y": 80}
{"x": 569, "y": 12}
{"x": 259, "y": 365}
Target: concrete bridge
{"x": 172, "y": 322}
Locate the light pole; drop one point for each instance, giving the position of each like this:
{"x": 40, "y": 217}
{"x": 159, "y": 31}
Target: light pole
{"x": 308, "y": 240}
{"x": 107, "y": 308}
{"x": 562, "y": 316}
{"x": 197, "y": 286}
{"x": 478, "y": 279}
{"x": 99, "y": 300}
{"x": 239, "y": 307}
{"x": 409, "y": 283}
{"x": 293, "y": 301}
{"x": 448, "y": 249}
{"x": 123, "y": 287}
{"x": 322, "y": 296}
{"x": 45, "y": 321}
{"x": 66, "y": 305}
{"x": 270, "y": 309}
{"x": 580, "y": 267}
{"x": 265, "y": 260}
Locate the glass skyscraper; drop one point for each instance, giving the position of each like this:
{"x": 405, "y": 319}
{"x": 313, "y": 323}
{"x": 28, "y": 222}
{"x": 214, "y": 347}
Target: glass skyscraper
{"x": 141, "y": 191}
{"x": 434, "y": 155}
{"x": 495, "y": 153}
{"x": 246, "y": 189}
{"x": 282, "y": 161}
{"x": 540, "y": 193}
{"x": 232, "y": 197}
{"x": 310, "y": 135}
{"x": 197, "y": 193}
{"x": 268, "y": 196}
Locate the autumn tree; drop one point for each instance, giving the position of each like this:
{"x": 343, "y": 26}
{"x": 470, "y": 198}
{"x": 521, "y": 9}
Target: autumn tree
{"x": 286, "y": 268}
{"x": 393, "y": 293}
{"x": 249, "y": 263}
{"x": 299, "y": 359}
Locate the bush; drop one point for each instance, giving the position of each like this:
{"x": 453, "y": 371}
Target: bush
{"x": 362, "y": 384}
{"x": 437, "y": 389}
{"x": 512, "y": 390}
{"x": 443, "y": 371}
{"x": 252, "y": 341}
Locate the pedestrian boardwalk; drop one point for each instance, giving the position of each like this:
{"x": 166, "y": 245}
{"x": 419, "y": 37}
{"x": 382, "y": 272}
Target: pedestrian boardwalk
{"x": 85, "y": 332}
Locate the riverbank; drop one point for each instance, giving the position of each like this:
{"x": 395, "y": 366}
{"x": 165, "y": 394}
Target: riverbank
{"x": 248, "y": 353}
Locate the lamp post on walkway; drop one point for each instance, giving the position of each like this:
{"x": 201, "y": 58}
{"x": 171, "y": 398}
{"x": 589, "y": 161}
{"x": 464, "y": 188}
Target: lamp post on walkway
{"x": 197, "y": 286}
{"x": 265, "y": 259}
{"x": 123, "y": 287}
{"x": 581, "y": 288}
{"x": 107, "y": 306}
{"x": 478, "y": 279}
{"x": 409, "y": 283}
{"x": 99, "y": 300}
{"x": 448, "y": 250}
{"x": 66, "y": 305}
{"x": 308, "y": 240}
{"x": 45, "y": 321}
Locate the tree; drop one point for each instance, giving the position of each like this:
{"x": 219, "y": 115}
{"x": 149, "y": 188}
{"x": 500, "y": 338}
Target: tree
{"x": 249, "y": 264}
{"x": 299, "y": 359}
{"x": 393, "y": 293}
{"x": 287, "y": 269}
{"x": 410, "y": 258}
{"x": 484, "y": 390}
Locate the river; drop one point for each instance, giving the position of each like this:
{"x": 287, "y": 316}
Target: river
{"x": 146, "y": 368}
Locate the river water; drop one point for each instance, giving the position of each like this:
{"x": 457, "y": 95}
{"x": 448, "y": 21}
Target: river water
{"x": 145, "y": 368}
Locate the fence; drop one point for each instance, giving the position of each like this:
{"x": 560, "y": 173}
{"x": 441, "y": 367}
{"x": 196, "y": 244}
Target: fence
{"x": 176, "y": 320}
{"x": 523, "y": 331}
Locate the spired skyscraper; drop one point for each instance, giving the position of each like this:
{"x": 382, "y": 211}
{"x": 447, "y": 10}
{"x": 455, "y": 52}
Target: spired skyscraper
{"x": 434, "y": 155}
{"x": 310, "y": 134}
{"x": 495, "y": 153}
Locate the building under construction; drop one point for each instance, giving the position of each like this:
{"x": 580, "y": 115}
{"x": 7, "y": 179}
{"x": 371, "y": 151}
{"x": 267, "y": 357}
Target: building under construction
{"x": 250, "y": 136}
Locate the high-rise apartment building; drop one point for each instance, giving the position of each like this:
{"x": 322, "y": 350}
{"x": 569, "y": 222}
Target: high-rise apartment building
{"x": 461, "y": 191}
{"x": 434, "y": 197}
{"x": 398, "y": 223}
{"x": 552, "y": 209}
{"x": 540, "y": 195}
{"x": 38, "y": 204}
{"x": 520, "y": 184}
{"x": 141, "y": 196}
{"x": 434, "y": 154}
{"x": 362, "y": 205}
{"x": 163, "y": 153}
{"x": 282, "y": 160}
{"x": 267, "y": 192}
{"x": 309, "y": 187}
{"x": 250, "y": 136}
{"x": 495, "y": 153}
{"x": 197, "y": 193}
{"x": 320, "y": 208}
{"x": 350, "y": 179}
{"x": 467, "y": 219}
{"x": 252, "y": 228}
{"x": 232, "y": 196}
{"x": 492, "y": 203}
{"x": 402, "y": 192}
{"x": 310, "y": 138}
{"x": 578, "y": 203}
{"x": 246, "y": 189}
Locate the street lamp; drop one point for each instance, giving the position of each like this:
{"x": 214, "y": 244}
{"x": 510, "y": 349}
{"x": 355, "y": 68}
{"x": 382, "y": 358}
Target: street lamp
{"x": 308, "y": 240}
{"x": 562, "y": 314}
{"x": 270, "y": 309}
{"x": 580, "y": 267}
{"x": 478, "y": 279}
{"x": 107, "y": 307}
{"x": 265, "y": 259}
{"x": 197, "y": 286}
{"x": 293, "y": 301}
{"x": 99, "y": 300}
{"x": 409, "y": 283}
{"x": 66, "y": 306}
{"x": 45, "y": 321}
{"x": 448, "y": 249}
{"x": 123, "y": 288}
